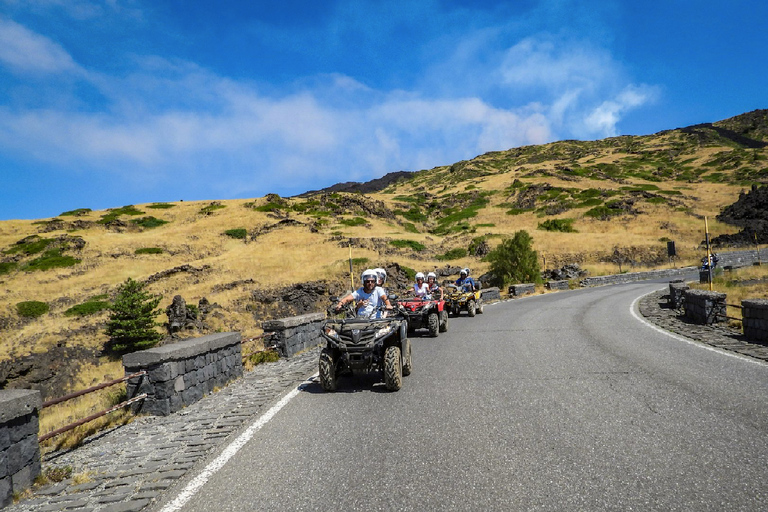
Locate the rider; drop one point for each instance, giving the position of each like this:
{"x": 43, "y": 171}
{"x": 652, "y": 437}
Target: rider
{"x": 435, "y": 290}
{"x": 382, "y": 274}
{"x": 369, "y": 297}
{"x": 464, "y": 282}
{"x": 420, "y": 288}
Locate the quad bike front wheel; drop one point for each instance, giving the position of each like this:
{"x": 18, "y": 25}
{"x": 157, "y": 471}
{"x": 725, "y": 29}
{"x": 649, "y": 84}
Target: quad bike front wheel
{"x": 444, "y": 321}
{"x": 471, "y": 308}
{"x": 433, "y": 322}
{"x": 393, "y": 368}
{"x": 480, "y": 308}
{"x": 407, "y": 360}
{"x": 327, "y": 369}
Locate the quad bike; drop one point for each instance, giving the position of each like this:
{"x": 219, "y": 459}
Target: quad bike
{"x": 459, "y": 300}
{"x": 425, "y": 314}
{"x": 365, "y": 345}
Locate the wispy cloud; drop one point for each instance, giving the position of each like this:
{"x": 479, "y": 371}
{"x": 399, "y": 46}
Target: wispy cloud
{"x": 22, "y": 50}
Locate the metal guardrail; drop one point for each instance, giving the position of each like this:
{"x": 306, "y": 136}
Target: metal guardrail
{"x": 94, "y": 416}
{"x": 259, "y": 337}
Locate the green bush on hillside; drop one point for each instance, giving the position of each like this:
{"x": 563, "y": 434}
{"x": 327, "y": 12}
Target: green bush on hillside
{"x": 6, "y": 267}
{"x": 50, "y": 259}
{"x": 131, "y": 324}
{"x": 238, "y": 233}
{"x": 149, "y": 222}
{"x": 76, "y": 213}
{"x": 148, "y": 250}
{"x": 561, "y": 225}
{"x": 355, "y": 221}
{"x": 161, "y": 206}
{"x": 515, "y": 261}
{"x": 452, "y": 254}
{"x": 114, "y": 213}
{"x": 31, "y": 308}
{"x": 87, "y": 308}
{"x": 407, "y": 244}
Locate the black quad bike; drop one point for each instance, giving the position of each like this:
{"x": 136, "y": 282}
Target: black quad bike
{"x": 365, "y": 345}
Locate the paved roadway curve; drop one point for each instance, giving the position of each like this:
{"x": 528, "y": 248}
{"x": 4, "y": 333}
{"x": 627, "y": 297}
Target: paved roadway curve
{"x": 564, "y": 401}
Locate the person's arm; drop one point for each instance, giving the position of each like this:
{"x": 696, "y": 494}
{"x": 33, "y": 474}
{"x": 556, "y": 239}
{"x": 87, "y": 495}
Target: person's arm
{"x": 344, "y": 300}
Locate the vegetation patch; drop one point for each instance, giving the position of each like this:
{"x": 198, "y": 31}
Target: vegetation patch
{"x": 561, "y": 225}
{"x": 30, "y": 245}
{"x": 76, "y": 213}
{"x": 207, "y": 210}
{"x": 238, "y": 233}
{"x": 148, "y": 250}
{"x": 6, "y": 267}
{"x": 90, "y": 307}
{"x": 453, "y": 254}
{"x": 410, "y": 228}
{"x": 117, "y": 212}
{"x": 50, "y": 259}
{"x": 161, "y": 206}
{"x": 149, "y": 222}
{"x": 31, "y": 308}
{"x": 602, "y": 212}
{"x": 358, "y": 262}
{"x": 407, "y": 244}
{"x": 355, "y": 221}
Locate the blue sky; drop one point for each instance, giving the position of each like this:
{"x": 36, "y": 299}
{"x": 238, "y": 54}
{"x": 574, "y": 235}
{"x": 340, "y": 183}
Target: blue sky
{"x": 115, "y": 102}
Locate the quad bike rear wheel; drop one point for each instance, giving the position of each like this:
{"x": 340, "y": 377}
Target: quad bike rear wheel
{"x": 480, "y": 308}
{"x": 433, "y": 322}
{"x": 393, "y": 368}
{"x": 407, "y": 360}
{"x": 471, "y": 308}
{"x": 327, "y": 371}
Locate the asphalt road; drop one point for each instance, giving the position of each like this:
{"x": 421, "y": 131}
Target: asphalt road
{"x": 564, "y": 401}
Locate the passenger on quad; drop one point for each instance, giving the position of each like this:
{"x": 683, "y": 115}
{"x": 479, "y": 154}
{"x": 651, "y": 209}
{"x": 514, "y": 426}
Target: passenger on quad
{"x": 464, "y": 282}
{"x": 420, "y": 289}
{"x": 435, "y": 290}
{"x": 369, "y": 297}
{"x": 382, "y": 275}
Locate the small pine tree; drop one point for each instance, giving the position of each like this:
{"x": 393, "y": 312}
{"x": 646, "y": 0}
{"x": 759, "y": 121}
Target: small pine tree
{"x": 131, "y": 324}
{"x": 515, "y": 261}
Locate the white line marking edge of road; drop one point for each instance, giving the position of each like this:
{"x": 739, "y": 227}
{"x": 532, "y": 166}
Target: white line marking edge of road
{"x": 634, "y": 311}
{"x": 215, "y": 465}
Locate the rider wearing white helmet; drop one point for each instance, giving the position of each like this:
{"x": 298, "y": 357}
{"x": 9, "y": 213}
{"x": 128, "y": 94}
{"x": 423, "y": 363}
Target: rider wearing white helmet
{"x": 369, "y": 297}
{"x": 382, "y": 276}
{"x": 435, "y": 290}
{"x": 465, "y": 282}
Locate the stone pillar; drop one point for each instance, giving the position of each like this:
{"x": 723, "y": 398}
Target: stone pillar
{"x": 754, "y": 314}
{"x": 296, "y": 333}
{"x": 19, "y": 449}
{"x": 517, "y": 290}
{"x": 704, "y": 307}
{"x": 676, "y": 289}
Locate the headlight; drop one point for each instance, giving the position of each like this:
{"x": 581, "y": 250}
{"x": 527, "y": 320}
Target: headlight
{"x": 383, "y": 331}
{"x": 330, "y": 331}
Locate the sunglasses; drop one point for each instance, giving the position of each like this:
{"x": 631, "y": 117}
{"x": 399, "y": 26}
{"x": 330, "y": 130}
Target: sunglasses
{"x": 369, "y": 280}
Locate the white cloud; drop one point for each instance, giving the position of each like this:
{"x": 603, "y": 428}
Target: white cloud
{"x": 26, "y": 51}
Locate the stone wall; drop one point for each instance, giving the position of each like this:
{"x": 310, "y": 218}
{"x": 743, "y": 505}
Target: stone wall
{"x": 180, "y": 374}
{"x": 755, "y": 319}
{"x": 492, "y": 293}
{"x": 294, "y": 334}
{"x": 676, "y": 289}
{"x": 631, "y": 277}
{"x": 518, "y": 290}
{"x": 19, "y": 449}
{"x": 704, "y": 307}
{"x": 557, "y": 285}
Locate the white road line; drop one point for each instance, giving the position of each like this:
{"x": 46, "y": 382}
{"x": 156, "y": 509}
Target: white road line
{"x": 699, "y": 344}
{"x": 200, "y": 480}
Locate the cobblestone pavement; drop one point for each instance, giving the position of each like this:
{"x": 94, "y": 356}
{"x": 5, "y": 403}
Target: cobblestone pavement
{"x": 655, "y": 308}
{"x": 130, "y": 466}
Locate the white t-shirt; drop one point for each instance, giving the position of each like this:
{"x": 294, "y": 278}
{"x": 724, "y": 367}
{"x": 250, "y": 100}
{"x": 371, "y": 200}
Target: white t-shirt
{"x": 420, "y": 291}
{"x": 374, "y": 301}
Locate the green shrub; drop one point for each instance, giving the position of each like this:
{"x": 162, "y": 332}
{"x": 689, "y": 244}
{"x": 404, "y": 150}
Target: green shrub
{"x": 115, "y": 213}
{"x": 264, "y": 356}
{"x": 517, "y": 211}
{"x": 207, "y": 210}
{"x": 77, "y": 213}
{"x": 561, "y": 225}
{"x": 30, "y": 245}
{"x": 515, "y": 261}
{"x": 414, "y": 214}
{"x": 51, "y": 259}
{"x": 356, "y": 221}
{"x": 269, "y": 207}
{"x": 409, "y": 272}
{"x": 407, "y": 244}
{"x": 131, "y": 324}
{"x": 453, "y": 254}
{"x": 6, "y": 267}
{"x": 161, "y": 206}
{"x": 87, "y": 308}
{"x": 32, "y": 308}
{"x": 238, "y": 233}
{"x": 360, "y": 261}
{"x": 149, "y": 222}
{"x": 410, "y": 228}
{"x": 602, "y": 212}
{"x": 148, "y": 250}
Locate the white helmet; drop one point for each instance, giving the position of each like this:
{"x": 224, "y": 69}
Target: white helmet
{"x": 432, "y": 275}
{"x": 419, "y": 275}
{"x": 464, "y": 272}
{"x": 370, "y": 274}
{"x": 382, "y": 274}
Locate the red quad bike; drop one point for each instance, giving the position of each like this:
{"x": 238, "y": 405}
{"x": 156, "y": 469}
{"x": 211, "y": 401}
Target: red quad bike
{"x": 425, "y": 314}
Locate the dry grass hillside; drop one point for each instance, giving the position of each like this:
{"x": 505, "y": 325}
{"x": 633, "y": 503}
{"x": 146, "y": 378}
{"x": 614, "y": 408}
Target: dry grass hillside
{"x": 581, "y": 202}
